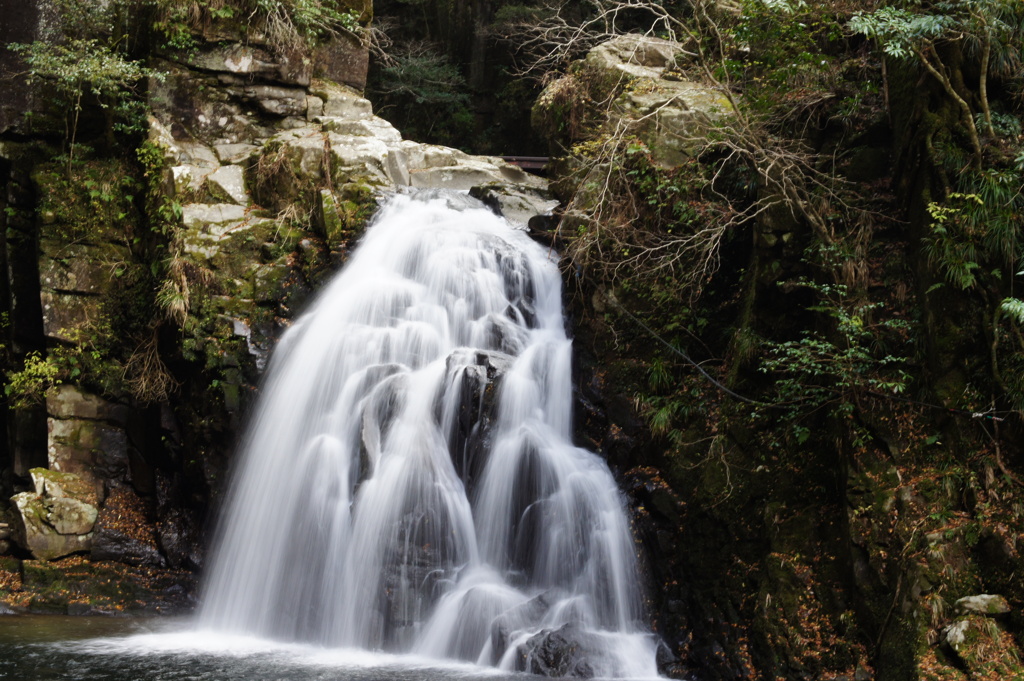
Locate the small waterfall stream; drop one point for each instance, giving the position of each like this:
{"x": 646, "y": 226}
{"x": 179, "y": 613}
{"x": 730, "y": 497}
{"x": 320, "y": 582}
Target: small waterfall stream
{"x": 409, "y": 484}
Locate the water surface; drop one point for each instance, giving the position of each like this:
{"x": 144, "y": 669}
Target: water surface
{"x": 53, "y": 648}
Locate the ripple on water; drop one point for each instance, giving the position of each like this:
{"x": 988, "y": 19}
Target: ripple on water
{"x": 50, "y": 648}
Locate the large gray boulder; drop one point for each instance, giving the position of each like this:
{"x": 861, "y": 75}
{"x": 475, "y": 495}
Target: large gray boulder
{"x": 636, "y": 55}
{"x": 56, "y": 519}
{"x": 649, "y": 98}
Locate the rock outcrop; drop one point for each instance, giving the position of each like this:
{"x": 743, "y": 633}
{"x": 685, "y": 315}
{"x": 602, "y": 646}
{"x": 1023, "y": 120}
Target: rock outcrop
{"x": 650, "y": 99}
{"x": 155, "y": 318}
{"x": 567, "y": 652}
{"x": 57, "y": 518}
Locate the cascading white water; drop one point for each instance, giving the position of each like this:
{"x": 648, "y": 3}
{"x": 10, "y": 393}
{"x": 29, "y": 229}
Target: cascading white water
{"x": 408, "y": 482}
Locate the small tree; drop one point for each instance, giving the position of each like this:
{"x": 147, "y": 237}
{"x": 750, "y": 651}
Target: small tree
{"x": 990, "y": 28}
{"x": 78, "y": 67}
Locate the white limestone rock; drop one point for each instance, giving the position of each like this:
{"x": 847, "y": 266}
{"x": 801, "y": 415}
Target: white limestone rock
{"x": 227, "y": 184}
{"x": 983, "y": 604}
{"x": 233, "y": 153}
{"x": 200, "y": 214}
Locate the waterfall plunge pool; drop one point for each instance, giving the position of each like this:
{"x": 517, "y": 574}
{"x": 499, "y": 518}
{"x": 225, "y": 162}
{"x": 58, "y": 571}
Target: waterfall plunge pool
{"x": 58, "y": 648}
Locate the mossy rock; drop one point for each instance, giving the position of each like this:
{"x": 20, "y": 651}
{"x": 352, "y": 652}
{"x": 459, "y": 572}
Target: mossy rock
{"x": 59, "y": 484}
{"x": 90, "y": 201}
{"x": 41, "y": 575}
{"x": 985, "y": 648}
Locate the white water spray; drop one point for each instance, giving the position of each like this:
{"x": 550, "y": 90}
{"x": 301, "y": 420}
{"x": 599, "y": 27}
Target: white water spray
{"x": 408, "y": 483}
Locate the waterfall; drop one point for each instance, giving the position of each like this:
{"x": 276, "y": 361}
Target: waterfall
{"x": 408, "y": 482}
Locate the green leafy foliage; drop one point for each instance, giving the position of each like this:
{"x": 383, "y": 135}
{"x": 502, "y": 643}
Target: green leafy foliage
{"x": 164, "y": 211}
{"x": 85, "y": 360}
{"x": 907, "y": 31}
{"x": 88, "y": 198}
{"x": 841, "y": 366}
{"x": 287, "y": 24}
{"x": 782, "y": 52}
{"x": 28, "y": 385}
{"x": 975, "y": 235}
{"x": 902, "y": 32}
{"x": 1014, "y": 308}
{"x": 927, "y": 34}
{"x": 82, "y": 67}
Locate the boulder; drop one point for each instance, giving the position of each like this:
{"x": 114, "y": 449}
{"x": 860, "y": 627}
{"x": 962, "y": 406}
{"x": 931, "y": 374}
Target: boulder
{"x": 983, "y": 604}
{"x": 69, "y": 402}
{"x": 983, "y": 647}
{"x": 250, "y": 61}
{"x": 159, "y": 135}
{"x": 332, "y": 216}
{"x": 670, "y": 116}
{"x": 436, "y": 167}
{"x": 91, "y": 449}
{"x": 364, "y": 157}
{"x": 343, "y": 60}
{"x": 204, "y": 214}
{"x": 194, "y": 107}
{"x": 567, "y": 652}
{"x": 479, "y": 376}
{"x": 512, "y": 621}
{"x": 636, "y": 55}
{"x": 357, "y": 147}
{"x": 650, "y": 100}
{"x": 194, "y": 162}
{"x": 371, "y": 126}
{"x": 66, "y": 316}
{"x": 70, "y": 516}
{"x": 227, "y": 184}
{"x": 274, "y": 100}
{"x": 340, "y": 101}
{"x": 460, "y": 176}
{"x": 75, "y": 267}
{"x": 314, "y": 107}
{"x": 198, "y": 155}
{"x": 51, "y": 527}
{"x": 516, "y": 203}
{"x": 233, "y": 153}
{"x": 57, "y": 485}
{"x": 180, "y": 538}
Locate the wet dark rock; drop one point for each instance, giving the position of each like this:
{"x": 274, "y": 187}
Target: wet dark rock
{"x": 668, "y": 663}
{"x": 179, "y": 536}
{"x": 524, "y": 616}
{"x": 479, "y": 386}
{"x": 544, "y": 229}
{"x": 564, "y": 652}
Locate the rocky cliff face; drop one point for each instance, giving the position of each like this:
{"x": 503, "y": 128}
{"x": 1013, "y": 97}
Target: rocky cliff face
{"x": 146, "y": 294}
{"x": 849, "y": 549}
{"x": 872, "y": 534}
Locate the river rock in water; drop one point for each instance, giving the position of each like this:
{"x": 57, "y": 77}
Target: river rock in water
{"x": 565, "y": 652}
